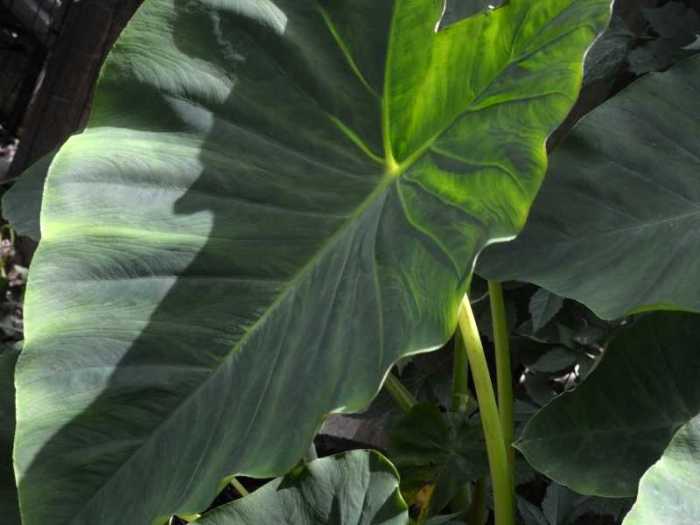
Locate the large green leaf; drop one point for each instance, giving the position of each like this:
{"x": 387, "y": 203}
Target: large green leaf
{"x": 9, "y": 509}
{"x": 358, "y": 487}
{"x": 600, "y": 438}
{"x": 668, "y": 491}
{"x": 273, "y": 202}
{"x": 617, "y": 223}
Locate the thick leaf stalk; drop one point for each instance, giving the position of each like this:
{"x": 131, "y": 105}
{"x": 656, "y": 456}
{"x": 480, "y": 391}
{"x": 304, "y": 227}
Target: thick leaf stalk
{"x": 460, "y": 376}
{"x": 504, "y": 376}
{"x": 501, "y": 474}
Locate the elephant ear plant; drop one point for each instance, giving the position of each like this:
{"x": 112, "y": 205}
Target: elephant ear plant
{"x": 272, "y": 203}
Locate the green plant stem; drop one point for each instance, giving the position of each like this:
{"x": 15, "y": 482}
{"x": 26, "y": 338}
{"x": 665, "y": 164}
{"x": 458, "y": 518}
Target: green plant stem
{"x": 239, "y": 487}
{"x": 460, "y": 376}
{"x": 477, "y": 509}
{"x": 501, "y": 473}
{"x": 504, "y": 375}
{"x": 460, "y": 403}
{"x": 400, "y": 393}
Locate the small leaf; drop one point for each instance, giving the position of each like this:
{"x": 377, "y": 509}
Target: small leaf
{"x": 538, "y": 386}
{"x": 445, "y": 450}
{"x": 676, "y": 26}
{"x": 674, "y": 21}
{"x": 531, "y": 514}
{"x": 544, "y": 305}
{"x": 360, "y": 487}
{"x": 669, "y": 491}
{"x": 558, "y": 504}
{"x": 21, "y": 204}
{"x": 601, "y": 437}
{"x": 593, "y": 505}
{"x": 555, "y": 360}
{"x": 656, "y": 55}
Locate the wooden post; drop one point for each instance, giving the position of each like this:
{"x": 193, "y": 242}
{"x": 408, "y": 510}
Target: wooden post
{"x": 61, "y": 100}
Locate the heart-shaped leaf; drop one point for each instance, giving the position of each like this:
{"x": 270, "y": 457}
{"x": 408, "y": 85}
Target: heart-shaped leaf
{"x": 600, "y": 438}
{"x": 668, "y": 491}
{"x": 359, "y": 487}
{"x": 618, "y": 218}
{"x": 274, "y": 200}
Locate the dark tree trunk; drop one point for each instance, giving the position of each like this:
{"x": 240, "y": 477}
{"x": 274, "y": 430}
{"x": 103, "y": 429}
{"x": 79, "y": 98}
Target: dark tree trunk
{"x": 60, "y": 102}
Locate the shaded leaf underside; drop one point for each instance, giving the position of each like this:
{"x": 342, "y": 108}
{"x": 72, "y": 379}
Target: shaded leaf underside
{"x": 272, "y": 203}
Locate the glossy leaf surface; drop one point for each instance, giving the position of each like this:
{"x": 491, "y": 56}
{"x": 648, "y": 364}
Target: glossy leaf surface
{"x": 668, "y": 491}
{"x": 600, "y": 438}
{"x": 359, "y": 487}
{"x": 617, "y": 221}
{"x": 272, "y": 203}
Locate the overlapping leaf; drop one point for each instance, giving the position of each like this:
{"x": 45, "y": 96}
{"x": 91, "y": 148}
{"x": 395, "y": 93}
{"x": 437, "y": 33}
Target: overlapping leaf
{"x": 359, "y": 487}
{"x": 617, "y": 223}
{"x": 600, "y": 438}
{"x": 668, "y": 491}
{"x": 272, "y": 203}
{"x": 21, "y": 204}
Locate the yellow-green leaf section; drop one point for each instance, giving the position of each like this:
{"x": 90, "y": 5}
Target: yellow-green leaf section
{"x": 272, "y": 203}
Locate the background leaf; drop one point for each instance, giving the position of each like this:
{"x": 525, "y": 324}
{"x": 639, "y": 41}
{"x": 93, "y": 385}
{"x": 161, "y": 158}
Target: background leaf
{"x": 359, "y": 487}
{"x": 617, "y": 222}
{"x": 21, "y": 204}
{"x": 557, "y": 359}
{"x": 445, "y": 450}
{"x": 676, "y": 27}
{"x": 544, "y": 305}
{"x": 600, "y": 438}
{"x": 531, "y": 514}
{"x": 558, "y": 504}
{"x": 668, "y": 491}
